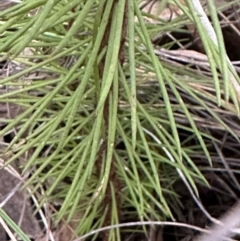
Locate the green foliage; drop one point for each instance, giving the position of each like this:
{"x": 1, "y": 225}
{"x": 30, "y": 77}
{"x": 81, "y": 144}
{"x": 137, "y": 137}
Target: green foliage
{"x": 102, "y": 114}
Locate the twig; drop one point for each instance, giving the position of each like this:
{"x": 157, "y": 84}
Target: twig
{"x": 228, "y": 223}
